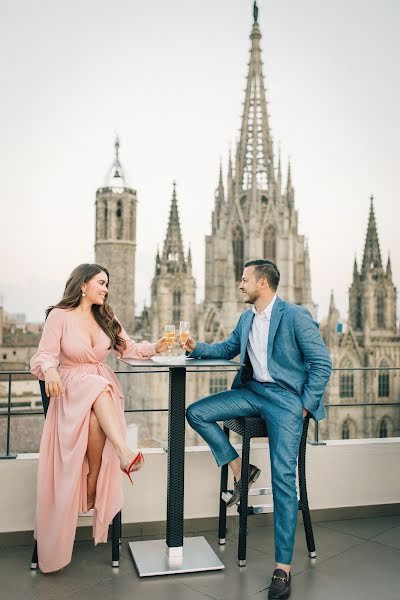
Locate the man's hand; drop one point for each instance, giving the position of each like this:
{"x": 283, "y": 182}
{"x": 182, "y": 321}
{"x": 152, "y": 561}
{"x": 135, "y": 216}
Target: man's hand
{"x": 190, "y": 345}
{"x": 53, "y": 384}
{"x": 161, "y": 345}
{"x": 305, "y": 412}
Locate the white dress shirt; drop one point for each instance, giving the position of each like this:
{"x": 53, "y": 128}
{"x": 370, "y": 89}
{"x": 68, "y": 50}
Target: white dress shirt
{"x": 258, "y": 343}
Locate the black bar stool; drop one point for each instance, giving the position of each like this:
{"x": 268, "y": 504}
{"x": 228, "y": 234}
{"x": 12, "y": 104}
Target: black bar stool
{"x": 251, "y": 427}
{"x": 117, "y": 521}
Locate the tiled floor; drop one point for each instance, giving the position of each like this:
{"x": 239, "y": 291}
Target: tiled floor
{"x": 357, "y": 559}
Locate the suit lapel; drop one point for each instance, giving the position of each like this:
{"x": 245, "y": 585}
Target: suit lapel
{"x": 276, "y": 316}
{"x": 245, "y": 335}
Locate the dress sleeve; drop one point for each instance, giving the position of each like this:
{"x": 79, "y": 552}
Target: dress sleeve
{"x": 137, "y": 350}
{"x": 48, "y": 351}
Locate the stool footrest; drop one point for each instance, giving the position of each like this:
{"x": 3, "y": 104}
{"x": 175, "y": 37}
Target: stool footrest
{"x": 260, "y": 491}
{"x": 260, "y": 509}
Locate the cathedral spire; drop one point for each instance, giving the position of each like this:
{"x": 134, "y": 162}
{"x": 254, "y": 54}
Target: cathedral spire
{"x": 255, "y": 152}
{"x": 115, "y": 177}
{"x": 230, "y": 178}
{"x": 279, "y": 176}
{"x": 221, "y": 192}
{"x": 372, "y": 254}
{"x": 306, "y": 295}
{"x": 289, "y": 186}
{"x": 355, "y": 270}
{"x": 332, "y": 324}
{"x": 389, "y": 269}
{"x": 332, "y": 306}
{"x": 173, "y": 258}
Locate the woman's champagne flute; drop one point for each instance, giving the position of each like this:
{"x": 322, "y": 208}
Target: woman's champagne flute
{"x": 184, "y": 327}
{"x": 169, "y": 337}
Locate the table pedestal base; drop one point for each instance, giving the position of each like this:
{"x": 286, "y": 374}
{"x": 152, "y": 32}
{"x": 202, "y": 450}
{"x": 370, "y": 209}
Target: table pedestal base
{"x": 151, "y": 557}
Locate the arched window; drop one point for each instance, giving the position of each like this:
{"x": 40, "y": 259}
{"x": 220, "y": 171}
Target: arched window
{"x": 270, "y": 244}
{"x": 238, "y": 251}
{"x": 346, "y": 380}
{"x": 383, "y": 429}
{"x": 176, "y": 306}
{"x": 359, "y": 322}
{"x": 380, "y": 310}
{"x": 120, "y": 221}
{"x": 383, "y": 381}
{"x": 346, "y": 430}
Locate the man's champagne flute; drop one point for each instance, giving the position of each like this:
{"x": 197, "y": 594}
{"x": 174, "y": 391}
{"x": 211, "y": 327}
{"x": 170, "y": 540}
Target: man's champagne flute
{"x": 169, "y": 337}
{"x": 184, "y": 327}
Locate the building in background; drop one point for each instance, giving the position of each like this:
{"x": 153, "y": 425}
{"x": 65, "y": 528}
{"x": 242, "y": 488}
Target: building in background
{"x": 371, "y": 340}
{"x": 115, "y": 246}
{"x": 254, "y": 216}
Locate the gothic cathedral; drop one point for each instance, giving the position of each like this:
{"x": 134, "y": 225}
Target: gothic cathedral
{"x": 254, "y": 216}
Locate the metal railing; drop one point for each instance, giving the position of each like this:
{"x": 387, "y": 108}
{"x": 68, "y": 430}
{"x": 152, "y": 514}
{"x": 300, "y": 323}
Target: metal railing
{"x": 8, "y": 413}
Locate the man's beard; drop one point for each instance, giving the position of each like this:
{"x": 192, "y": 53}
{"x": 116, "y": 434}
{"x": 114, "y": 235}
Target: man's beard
{"x": 250, "y": 298}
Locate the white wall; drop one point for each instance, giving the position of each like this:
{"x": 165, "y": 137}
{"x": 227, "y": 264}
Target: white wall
{"x": 340, "y": 474}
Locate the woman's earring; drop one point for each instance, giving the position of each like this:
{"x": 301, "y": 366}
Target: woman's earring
{"x": 83, "y": 294}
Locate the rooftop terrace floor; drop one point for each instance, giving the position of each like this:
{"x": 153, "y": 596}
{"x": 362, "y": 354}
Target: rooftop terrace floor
{"x": 357, "y": 559}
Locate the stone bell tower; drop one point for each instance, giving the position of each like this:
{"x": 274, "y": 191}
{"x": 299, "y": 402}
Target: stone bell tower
{"x": 115, "y": 246}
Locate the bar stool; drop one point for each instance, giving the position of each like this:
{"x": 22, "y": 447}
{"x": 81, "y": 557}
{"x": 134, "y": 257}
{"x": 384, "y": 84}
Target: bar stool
{"x": 116, "y": 523}
{"x": 251, "y": 427}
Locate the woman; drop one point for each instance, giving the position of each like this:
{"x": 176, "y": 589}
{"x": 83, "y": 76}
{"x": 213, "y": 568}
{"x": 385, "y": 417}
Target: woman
{"x": 83, "y": 448}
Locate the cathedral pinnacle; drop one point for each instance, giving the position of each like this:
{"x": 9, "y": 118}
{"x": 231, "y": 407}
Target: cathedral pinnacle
{"x": 355, "y": 269}
{"x": 332, "y": 306}
{"x": 372, "y": 254}
{"x": 115, "y": 178}
{"x": 389, "y": 269}
{"x": 173, "y": 258}
{"x": 255, "y": 152}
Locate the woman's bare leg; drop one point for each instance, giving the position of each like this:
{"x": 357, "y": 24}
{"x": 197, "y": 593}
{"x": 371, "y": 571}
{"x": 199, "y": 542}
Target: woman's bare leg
{"x": 108, "y": 418}
{"x": 94, "y": 453}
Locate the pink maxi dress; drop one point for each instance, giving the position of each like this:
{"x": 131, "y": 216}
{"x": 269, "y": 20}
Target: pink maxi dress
{"x": 63, "y": 466}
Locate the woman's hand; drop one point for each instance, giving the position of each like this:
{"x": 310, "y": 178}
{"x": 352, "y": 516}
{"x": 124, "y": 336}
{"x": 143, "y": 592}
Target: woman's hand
{"x": 305, "y": 412}
{"x": 161, "y": 345}
{"x": 190, "y": 345}
{"x": 53, "y": 384}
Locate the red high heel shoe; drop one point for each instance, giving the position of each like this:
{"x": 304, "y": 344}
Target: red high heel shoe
{"x": 128, "y": 470}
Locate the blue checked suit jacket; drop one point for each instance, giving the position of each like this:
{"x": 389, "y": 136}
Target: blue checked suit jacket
{"x": 298, "y": 359}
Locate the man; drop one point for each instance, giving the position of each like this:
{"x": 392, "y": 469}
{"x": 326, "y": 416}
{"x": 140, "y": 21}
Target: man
{"x": 287, "y": 370}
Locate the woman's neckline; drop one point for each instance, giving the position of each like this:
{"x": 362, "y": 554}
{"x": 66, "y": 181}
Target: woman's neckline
{"x": 86, "y": 333}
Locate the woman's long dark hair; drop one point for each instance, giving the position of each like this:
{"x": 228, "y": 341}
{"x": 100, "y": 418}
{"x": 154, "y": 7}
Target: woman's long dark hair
{"x": 103, "y": 313}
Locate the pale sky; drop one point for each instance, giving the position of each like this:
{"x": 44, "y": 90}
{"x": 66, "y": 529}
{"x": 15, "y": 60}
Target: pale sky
{"x": 169, "y": 77}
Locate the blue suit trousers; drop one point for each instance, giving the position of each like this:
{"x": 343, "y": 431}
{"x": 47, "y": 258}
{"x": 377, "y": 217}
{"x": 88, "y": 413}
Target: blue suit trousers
{"x": 282, "y": 412}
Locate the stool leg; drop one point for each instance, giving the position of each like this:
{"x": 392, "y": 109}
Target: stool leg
{"x": 115, "y": 541}
{"x": 303, "y": 491}
{"x": 244, "y": 476}
{"x": 222, "y": 503}
{"x": 34, "y": 561}
{"x": 119, "y": 515}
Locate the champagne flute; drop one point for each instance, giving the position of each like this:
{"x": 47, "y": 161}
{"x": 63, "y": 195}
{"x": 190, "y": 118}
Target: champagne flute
{"x": 184, "y": 327}
{"x": 169, "y": 337}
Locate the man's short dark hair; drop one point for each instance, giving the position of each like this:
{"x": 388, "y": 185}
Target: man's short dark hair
{"x": 268, "y": 269}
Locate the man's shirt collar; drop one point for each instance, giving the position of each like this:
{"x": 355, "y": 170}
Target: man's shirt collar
{"x": 266, "y": 313}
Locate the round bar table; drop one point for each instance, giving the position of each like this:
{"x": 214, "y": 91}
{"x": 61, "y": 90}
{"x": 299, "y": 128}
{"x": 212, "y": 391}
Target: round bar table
{"x": 176, "y": 554}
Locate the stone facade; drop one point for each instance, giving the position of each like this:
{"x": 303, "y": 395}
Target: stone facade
{"x": 116, "y": 240}
{"x": 17, "y": 346}
{"x": 254, "y": 216}
{"x": 371, "y": 340}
